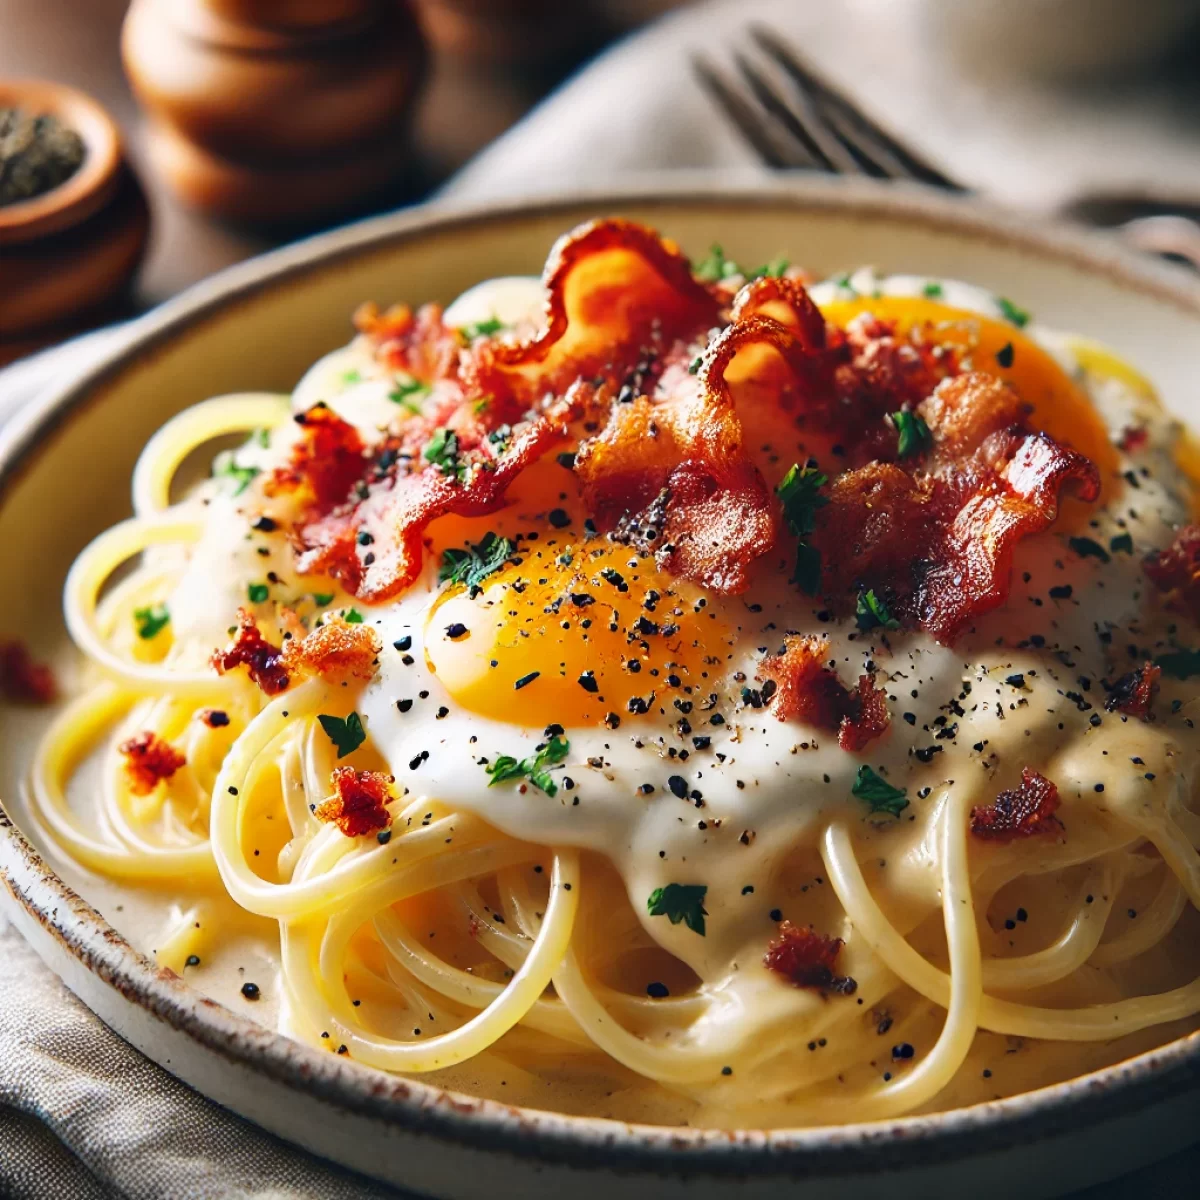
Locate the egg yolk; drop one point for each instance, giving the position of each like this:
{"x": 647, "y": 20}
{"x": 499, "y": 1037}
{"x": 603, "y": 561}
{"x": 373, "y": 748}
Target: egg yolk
{"x": 1060, "y": 406}
{"x": 590, "y": 634}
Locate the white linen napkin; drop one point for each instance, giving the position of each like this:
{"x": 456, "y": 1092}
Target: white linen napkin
{"x": 82, "y": 1114}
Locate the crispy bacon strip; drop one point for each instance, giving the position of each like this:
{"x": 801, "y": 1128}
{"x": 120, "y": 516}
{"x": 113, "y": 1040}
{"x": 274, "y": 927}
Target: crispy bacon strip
{"x": 1133, "y": 693}
{"x": 396, "y": 513}
{"x": 1175, "y": 571}
{"x": 421, "y": 345}
{"x": 808, "y": 690}
{"x": 1020, "y": 812}
{"x": 941, "y": 538}
{"x": 359, "y": 803}
{"x": 249, "y": 649}
{"x": 335, "y": 650}
{"x": 807, "y": 959}
{"x": 148, "y": 760}
{"x": 22, "y": 679}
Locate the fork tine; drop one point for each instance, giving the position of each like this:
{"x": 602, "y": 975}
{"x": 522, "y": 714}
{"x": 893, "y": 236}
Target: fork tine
{"x": 749, "y": 122}
{"x": 775, "y": 151}
{"x": 827, "y": 152}
{"x": 847, "y": 122}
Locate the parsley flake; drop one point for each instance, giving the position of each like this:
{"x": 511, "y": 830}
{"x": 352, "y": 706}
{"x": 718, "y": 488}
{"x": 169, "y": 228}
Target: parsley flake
{"x": 474, "y": 564}
{"x": 799, "y": 493}
{"x": 871, "y": 612}
{"x": 478, "y": 329}
{"x": 224, "y": 467}
{"x": 878, "y": 793}
{"x": 442, "y": 451}
{"x": 347, "y": 734}
{"x": 261, "y": 437}
{"x": 407, "y": 391}
{"x": 715, "y": 266}
{"x": 258, "y": 592}
{"x": 535, "y": 768}
{"x": 151, "y": 621}
{"x": 913, "y": 433}
{"x": 933, "y": 290}
{"x": 352, "y": 376}
{"x": 1085, "y": 547}
{"x": 352, "y": 616}
{"x": 321, "y": 599}
{"x": 1182, "y": 664}
{"x": 1018, "y": 316}
{"x": 680, "y": 902}
{"x": 776, "y": 267}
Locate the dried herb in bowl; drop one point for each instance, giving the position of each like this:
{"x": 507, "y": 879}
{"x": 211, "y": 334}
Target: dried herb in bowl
{"x": 37, "y": 154}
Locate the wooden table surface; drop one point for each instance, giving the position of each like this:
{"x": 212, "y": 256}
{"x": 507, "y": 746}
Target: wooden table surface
{"x": 465, "y": 106}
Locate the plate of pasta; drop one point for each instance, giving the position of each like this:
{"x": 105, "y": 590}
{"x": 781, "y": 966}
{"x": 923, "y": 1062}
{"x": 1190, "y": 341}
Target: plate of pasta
{"x": 693, "y": 687}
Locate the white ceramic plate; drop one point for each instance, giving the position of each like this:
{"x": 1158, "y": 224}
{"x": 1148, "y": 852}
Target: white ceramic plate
{"x": 64, "y": 475}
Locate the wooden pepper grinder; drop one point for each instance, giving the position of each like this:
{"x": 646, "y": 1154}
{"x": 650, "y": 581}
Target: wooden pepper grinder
{"x": 275, "y": 110}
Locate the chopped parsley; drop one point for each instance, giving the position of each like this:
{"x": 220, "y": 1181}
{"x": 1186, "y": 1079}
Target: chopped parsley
{"x": 258, "y": 592}
{"x": 715, "y": 266}
{"x": 535, "y": 768}
{"x": 776, "y": 267}
{"x": 474, "y": 564}
{"x": 695, "y": 365}
{"x": 151, "y": 621}
{"x": 321, "y": 599}
{"x": 843, "y": 281}
{"x": 352, "y": 376}
{"x": 407, "y": 391}
{"x": 352, "y": 617}
{"x": 871, "y": 612}
{"x": 1122, "y": 542}
{"x": 933, "y": 290}
{"x": 347, "y": 734}
{"x": 224, "y": 467}
{"x": 913, "y": 433}
{"x": 442, "y": 451}
{"x": 261, "y": 437}
{"x": 1182, "y": 664}
{"x": 478, "y": 329}
{"x": 799, "y": 492}
{"x": 1018, "y": 316}
{"x": 680, "y": 902}
{"x": 1085, "y": 547}
{"x": 878, "y": 793}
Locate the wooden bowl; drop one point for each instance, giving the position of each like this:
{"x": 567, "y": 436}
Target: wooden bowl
{"x": 69, "y": 253}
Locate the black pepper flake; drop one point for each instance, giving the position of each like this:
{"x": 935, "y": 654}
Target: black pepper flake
{"x": 404, "y": 643}
{"x": 678, "y": 786}
{"x": 404, "y": 705}
{"x": 251, "y": 991}
{"x": 442, "y": 712}
{"x": 193, "y": 960}
{"x": 264, "y": 524}
{"x": 587, "y": 681}
{"x": 456, "y": 630}
{"x": 612, "y": 721}
{"x": 558, "y": 518}
{"x": 657, "y": 991}
{"x": 383, "y": 836}
{"x": 701, "y": 743}
{"x": 525, "y": 680}
{"x": 1005, "y": 355}
{"x": 1017, "y": 680}
{"x": 903, "y": 1051}
{"x": 1062, "y": 592}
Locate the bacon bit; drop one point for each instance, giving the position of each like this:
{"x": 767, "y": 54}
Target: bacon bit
{"x": 149, "y": 759}
{"x": 359, "y": 805}
{"x": 1019, "y": 812}
{"x": 967, "y": 409}
{"x": 1133, "y": 693}
{"x": 327, "y": 460}
{"x": 1175, "y": 571}
{"x": 251, "y": 650}
{"x": 422, "y": 346}
{"x": 22, "y": 679}
{"x": 807, "y": 689}
{"x": 335, "y": 650}
{"x": 806, "y": 959}
{"x": 1133, "y": 438}
{"x": 787, "y": 302}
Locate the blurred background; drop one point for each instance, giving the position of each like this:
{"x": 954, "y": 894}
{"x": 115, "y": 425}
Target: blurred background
{"x": 247, "y": 123}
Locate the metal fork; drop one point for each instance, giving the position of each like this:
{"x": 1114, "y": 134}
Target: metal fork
{"x": 811, "y": 124}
